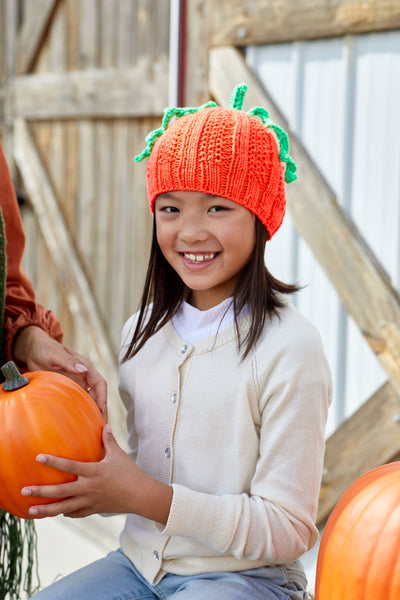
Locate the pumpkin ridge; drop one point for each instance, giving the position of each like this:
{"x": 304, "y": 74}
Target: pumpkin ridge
{"x": 369, "y": 557}
{"x": 345, "y": 548}
{"x": 390, "y": 567}
{"x": 395, "y": 580}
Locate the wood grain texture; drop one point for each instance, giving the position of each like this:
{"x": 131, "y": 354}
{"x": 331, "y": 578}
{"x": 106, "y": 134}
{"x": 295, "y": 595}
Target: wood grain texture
{"x": 245, "y": 22}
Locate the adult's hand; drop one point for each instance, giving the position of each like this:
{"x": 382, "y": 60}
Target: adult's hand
{"x": 34, "y": 347}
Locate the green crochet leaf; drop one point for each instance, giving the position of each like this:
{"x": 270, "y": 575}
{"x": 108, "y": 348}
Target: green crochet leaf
{"x": 291, "y": 167}
{"x": 169, "y": 114}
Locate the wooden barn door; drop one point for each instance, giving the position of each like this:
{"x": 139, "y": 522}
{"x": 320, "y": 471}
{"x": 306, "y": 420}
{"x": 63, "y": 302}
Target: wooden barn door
{"x": 83, "y": 81}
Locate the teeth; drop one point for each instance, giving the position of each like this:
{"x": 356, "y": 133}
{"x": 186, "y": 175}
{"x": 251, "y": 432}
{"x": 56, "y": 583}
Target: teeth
{"x": 198, "y": 257}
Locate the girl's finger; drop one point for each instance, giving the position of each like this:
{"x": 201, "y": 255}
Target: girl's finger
{"x": 64, "y": 490}
{"x": 64, "y": 507}
{"x": 65, "y": 465}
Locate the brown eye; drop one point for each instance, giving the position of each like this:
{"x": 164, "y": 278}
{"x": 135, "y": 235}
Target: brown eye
{"x": 217, "y": 208}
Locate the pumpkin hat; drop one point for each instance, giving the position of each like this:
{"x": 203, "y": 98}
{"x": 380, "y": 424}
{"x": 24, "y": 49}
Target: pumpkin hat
{"x": 226, "y": 152}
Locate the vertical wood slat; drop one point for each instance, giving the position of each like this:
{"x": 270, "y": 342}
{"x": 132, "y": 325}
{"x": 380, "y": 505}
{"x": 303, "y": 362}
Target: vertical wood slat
{"x": 119, "y": 191}
{"x": 196, "y": 53}
{"x": 8, "y": 58}
{"x": 102, "y": 266}
{"x": 37, "y": 17}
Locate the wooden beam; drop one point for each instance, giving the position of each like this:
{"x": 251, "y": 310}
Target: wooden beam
{"x": 369, "y": 438}
{"x": 124, "y": 92}
{"x": 359, "y": 279}
{"x": 245, "y": 22}
{"x": 71, "y": 274}
{"x": 37, "y": 19}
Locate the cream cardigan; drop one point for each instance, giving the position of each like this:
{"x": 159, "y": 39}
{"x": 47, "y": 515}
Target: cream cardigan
{"x": 241, "y": 442}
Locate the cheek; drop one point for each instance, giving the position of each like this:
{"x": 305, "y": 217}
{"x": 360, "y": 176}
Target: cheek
{"x": 165, "y": 240}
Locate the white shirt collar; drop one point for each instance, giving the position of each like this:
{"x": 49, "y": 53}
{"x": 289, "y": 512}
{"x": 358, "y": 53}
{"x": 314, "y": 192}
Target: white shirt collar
{"x": 192, "y": 324}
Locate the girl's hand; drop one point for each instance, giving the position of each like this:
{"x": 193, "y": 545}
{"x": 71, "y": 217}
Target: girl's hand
{"x": 113, "y": 485}
{"x": 35, "y": 348}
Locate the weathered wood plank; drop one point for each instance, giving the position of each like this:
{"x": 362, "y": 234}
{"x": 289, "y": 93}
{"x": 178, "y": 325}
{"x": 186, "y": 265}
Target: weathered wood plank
{"x": 245, "y": 22}
{"x": 8, "y": 26}
{"x": 36, "y": 21}
{"x": 9, "y": 29}
{"x": 369, "y": 438}
{"x": 196, "y": 54}
{"x": 129, "y": 92}
{"x": 119, "y": 227}
{"x": 69, "y": 269}
{"x": 359, "y": 279}
{"x": 85, "y": 216}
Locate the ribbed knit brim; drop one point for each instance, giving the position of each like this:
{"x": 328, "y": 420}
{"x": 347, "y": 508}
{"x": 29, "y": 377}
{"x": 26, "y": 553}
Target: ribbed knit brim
{"x": 223, "y": 152}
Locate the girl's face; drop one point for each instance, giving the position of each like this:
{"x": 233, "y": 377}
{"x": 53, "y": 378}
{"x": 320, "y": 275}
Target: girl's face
{"x": 207, "y": 240}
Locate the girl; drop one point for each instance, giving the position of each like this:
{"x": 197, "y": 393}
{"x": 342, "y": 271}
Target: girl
{"x": 226, "y": 385}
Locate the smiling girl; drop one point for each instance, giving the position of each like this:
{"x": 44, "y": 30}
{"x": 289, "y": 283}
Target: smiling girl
{"x": 226, "y": 385}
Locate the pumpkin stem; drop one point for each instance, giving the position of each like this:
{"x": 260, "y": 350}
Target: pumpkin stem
{"x": 14, "y": 379}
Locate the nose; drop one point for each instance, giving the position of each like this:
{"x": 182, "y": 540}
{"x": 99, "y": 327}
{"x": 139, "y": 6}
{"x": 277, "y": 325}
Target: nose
{"x": 192, "y": 229}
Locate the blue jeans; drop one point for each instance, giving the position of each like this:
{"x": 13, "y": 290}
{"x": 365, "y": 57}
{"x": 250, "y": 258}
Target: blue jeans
{"x": 115, "y": 578}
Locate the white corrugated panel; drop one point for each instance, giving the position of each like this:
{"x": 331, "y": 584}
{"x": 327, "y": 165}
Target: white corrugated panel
{"x": 375, "y": 189}
{"x": 341, "y": 97}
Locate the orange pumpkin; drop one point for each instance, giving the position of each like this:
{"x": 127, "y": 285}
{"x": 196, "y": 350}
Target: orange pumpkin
{"x": 359, "y": 556}
{"x": 50, "y": 414}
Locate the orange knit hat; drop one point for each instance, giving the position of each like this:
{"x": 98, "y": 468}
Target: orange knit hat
{"x": 222, "y": 151}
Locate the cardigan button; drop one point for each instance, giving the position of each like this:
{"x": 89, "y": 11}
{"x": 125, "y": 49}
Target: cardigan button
{"x": 167, "y": 453}
{"x": 174, "y": 398}
{"x": 156, "y": 555}
{"x": 184, "y": 349}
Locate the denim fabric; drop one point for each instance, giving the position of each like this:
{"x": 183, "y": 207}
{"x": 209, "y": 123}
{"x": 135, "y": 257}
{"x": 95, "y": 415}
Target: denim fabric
{"x": 115, "y": 578}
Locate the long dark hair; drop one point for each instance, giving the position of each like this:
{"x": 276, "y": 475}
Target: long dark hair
{"x": 164, "y": 290}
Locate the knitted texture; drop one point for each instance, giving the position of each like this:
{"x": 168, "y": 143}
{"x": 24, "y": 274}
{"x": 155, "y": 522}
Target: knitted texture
{"x": 225, "y": 152}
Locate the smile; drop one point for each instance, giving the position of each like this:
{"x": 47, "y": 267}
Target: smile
{"x": 198, "y": 258}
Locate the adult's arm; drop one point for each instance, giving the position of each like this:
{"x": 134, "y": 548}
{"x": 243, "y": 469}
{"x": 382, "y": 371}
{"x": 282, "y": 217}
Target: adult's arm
{"x": 21, "y": 309}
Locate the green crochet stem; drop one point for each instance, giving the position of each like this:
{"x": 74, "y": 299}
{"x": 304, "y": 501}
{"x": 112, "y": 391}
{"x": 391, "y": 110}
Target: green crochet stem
{"x": 235, "y": 103}
{"x": 18, "y": 555}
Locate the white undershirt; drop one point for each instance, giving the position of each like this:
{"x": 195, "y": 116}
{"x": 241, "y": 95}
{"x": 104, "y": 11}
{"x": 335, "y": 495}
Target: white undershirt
{"x": 192, "y": 324}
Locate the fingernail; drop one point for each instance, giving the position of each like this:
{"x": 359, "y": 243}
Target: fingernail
{"x": 80, "y": 367}
{"x": 41, "y": 458}
{"x": 33, "y": 511}
{"x": 26, "y": 492}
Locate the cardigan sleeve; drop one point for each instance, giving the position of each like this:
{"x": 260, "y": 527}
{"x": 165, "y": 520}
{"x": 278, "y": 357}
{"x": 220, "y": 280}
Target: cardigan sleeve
{"x": 275, "y": 520}
{"x": 21, "y": 308}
